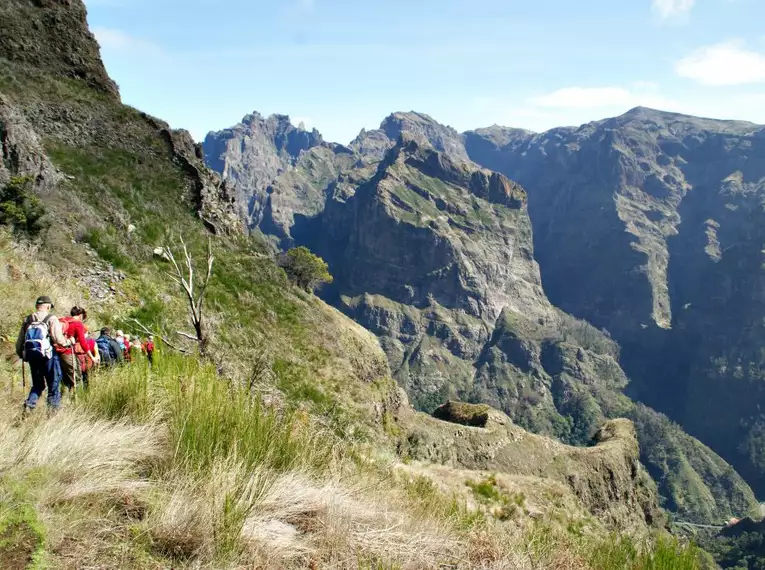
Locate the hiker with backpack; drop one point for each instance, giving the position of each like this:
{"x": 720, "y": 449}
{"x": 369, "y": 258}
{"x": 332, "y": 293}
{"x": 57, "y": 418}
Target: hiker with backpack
{"x": 120, "y": 338}
{"x": 39, "y": 335}
{"x": 89, "y": 358}
{"x": 148, "y": 348}
{"x": 128, "y": 346}
{"x": 73, "y": 328}
{"x": 109, "y": 349}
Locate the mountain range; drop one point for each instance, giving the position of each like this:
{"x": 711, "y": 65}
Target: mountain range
{"x": 502, "y": 301}
{"x": 608, "y": 270}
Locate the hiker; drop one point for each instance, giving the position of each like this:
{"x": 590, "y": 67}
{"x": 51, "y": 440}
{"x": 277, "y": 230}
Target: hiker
{"x": 39, "y": 332}
{"x": 89, "y": 358}
{"x": 120, "y": 338}
{"x": 126, "y": 347}
{"x": 136, "y": 348}
{"x": 148, "y": 348}
{"x": 73, "y": 329}
{"x": 109, "y": 349}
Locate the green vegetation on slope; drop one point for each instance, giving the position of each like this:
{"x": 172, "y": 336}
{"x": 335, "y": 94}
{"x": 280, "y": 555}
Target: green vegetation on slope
{"x": 181, "y": 468}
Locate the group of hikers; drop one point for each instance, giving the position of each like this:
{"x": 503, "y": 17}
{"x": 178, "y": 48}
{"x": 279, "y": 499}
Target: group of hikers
{"x": 60, "y": 350}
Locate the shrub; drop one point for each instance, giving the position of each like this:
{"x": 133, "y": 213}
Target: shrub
{"x": 20, "y": 209}
{"x": 306, "y": 270}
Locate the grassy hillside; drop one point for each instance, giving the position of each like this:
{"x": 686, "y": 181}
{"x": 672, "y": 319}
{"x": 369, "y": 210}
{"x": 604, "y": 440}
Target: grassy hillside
{"x": 280, "y": 450}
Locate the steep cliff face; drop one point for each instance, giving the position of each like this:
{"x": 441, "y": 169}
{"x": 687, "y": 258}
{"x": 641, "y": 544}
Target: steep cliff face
{"x": 434, "y": 255}
{"x": 53, "y": 37}
{"x": 252, "y": 154}
{"x": 650, "y": 225}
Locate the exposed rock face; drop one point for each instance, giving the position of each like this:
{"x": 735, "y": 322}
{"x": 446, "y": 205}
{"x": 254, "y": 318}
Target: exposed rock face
{"x": 434, "y": 255}
{"x": 212, "y": 197}
{"x": 651, "y": 225}
{"x": 461, "y": 236}
{"x": 373, "y": 144}
{"x": 252, "y": 154}
{"x": 53, "y": 36}
{"x": 22, "y": 153}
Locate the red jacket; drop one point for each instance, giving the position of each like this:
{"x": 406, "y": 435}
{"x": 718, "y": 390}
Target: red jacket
{"x": 74, "y": 330}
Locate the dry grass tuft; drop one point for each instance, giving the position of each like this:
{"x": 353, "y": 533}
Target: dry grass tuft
{"x": 286, "y": 520}
{"x": 80, "y": 455}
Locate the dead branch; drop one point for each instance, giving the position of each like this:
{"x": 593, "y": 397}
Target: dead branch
{"x": 148, "y": 331}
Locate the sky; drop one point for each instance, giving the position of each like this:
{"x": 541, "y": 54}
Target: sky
{"x": 343, "y": 65}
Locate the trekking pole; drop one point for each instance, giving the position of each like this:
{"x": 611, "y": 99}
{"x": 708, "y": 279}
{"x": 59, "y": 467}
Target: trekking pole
{"x": 23, "y": 376}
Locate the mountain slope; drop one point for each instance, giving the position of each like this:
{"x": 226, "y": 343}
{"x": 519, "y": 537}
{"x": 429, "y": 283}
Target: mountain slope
{"x": 434, "y": 255}
{"x": 289, "y": 433}
{"x": 677, "y": 277}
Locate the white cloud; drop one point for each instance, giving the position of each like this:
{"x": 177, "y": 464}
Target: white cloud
{"x": 672, "y": 10}
{"x": 119, "y": 41}
{"x": 728, "y": 63}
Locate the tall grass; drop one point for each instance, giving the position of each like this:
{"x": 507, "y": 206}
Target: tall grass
{"x": 225, "y": 481}
{"x": 665, "y": 553}
{"x": 209, "y": 419}
{"x": 124, "y": 392}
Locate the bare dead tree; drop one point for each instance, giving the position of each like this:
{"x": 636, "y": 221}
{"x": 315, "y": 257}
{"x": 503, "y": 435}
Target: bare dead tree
{"x": 194, "y": 288}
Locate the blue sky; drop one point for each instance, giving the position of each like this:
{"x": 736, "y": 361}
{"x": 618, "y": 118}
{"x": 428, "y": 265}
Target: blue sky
{"x": 341, "y": 65}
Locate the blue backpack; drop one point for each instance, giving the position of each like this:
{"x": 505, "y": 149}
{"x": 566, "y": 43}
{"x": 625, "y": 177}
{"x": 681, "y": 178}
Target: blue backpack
{"x": 105, "y": 350}
{"x": 37, "y": 342}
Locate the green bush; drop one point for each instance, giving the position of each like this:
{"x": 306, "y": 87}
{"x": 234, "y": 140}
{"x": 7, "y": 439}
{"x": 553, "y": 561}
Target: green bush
{"x": 306, "y": 270}
{"x": 19, "y": 208}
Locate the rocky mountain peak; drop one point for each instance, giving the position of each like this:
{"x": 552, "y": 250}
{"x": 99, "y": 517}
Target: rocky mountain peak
{"x": 441, "y": 137}
{"x": 416, "y": 151}
{"x": 53, "y": 36}
{"x": 253, "y": 153}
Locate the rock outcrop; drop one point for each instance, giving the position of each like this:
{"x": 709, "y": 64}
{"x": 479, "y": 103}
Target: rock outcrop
{"x": 212, "y": 197}
{"x": 374, "y": 144}
{"x": 53, "y": 37}
{"x": 21, "y": 150}
{"x": 607, "y": 478}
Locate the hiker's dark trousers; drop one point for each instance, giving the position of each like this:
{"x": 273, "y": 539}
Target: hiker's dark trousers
{"x": 46, "y": 372}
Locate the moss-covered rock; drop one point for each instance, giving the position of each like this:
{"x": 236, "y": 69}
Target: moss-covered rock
{"x": 476, "y": 415}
